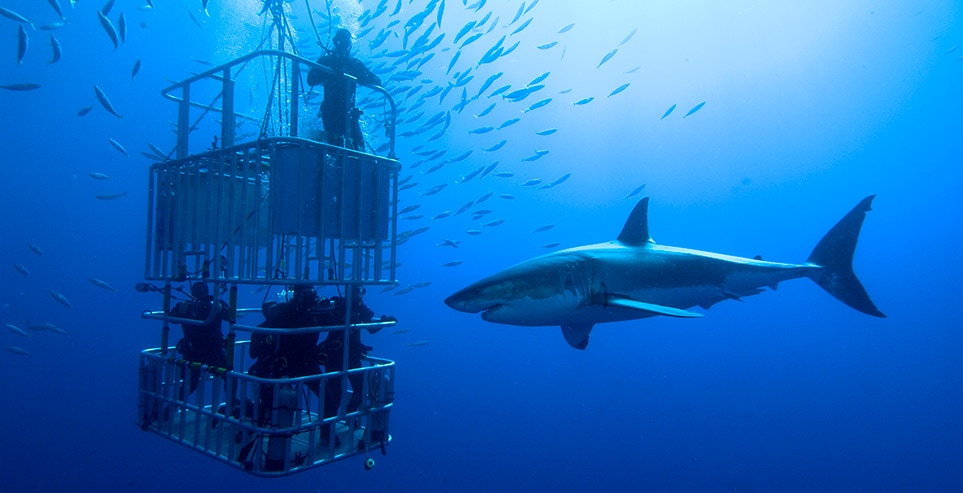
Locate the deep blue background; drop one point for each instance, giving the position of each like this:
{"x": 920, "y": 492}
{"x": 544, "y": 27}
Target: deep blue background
{"x": 809, "y": 109}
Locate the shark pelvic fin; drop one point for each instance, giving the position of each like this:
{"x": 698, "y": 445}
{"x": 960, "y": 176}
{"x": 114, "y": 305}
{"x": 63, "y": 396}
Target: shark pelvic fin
{"x": 650, "y": 307}
{"x": 636, "y": 229}
{"x": 577, "y": 335}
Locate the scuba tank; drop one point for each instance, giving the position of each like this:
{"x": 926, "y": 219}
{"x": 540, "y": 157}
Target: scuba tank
{"x": 282, "y": 417}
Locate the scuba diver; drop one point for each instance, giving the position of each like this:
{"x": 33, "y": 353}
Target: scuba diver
{"x": 202, "y": 342}
{"x": 331, "y": 352}
{"x": 337, "y": 109}
{"x": 288, "y": 356}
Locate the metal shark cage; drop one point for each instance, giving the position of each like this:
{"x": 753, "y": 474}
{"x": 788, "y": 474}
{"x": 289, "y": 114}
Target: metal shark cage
{"x": 278, "y": 210}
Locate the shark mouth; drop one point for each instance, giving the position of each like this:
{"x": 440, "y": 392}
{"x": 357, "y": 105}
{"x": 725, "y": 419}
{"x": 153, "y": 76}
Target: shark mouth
{"x": 489, "y": 312}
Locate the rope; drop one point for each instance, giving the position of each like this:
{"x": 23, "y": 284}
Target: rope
{"x": 314, "y": 26}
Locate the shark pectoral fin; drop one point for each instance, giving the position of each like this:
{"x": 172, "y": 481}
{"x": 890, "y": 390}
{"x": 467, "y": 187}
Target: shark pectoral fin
{"x": 577, "y": 335}
{"x": 737, "y": 295}
{"x": 651, "y": 307}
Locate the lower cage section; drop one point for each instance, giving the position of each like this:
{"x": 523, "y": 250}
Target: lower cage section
{"x": 267, "y": 427}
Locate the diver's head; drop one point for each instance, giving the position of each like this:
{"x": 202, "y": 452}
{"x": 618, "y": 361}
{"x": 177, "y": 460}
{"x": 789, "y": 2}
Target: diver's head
{"x": 357, "y": 292}
{"x": 304, "y": 295}
{"x": 200, "y": 292}
{"x": 342, "y": 41}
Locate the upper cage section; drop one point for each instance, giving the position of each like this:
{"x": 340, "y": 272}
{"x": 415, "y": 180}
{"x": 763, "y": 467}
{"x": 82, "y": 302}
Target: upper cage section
{"x": 277, "y": 209}
{"x": 264, "y": 94}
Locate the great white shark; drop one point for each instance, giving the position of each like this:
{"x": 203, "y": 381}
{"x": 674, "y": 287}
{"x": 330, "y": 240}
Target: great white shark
{"x": 632, "y": 277}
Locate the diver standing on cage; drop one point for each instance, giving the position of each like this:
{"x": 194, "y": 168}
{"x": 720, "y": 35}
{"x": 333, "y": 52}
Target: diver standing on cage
{"x": 339, "y": 115}
{"x": 203, "y": 342}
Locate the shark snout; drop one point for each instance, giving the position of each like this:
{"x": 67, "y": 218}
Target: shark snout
{"x": 468, "y": 301}
{"x": 459, "y": 301}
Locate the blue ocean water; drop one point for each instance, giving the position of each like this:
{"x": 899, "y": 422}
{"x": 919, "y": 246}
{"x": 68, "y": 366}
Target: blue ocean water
{"x": 808, "y": 109}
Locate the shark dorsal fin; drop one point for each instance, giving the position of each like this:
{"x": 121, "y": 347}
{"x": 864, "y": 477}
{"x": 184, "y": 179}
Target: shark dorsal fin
{"x": 636, "y": 229}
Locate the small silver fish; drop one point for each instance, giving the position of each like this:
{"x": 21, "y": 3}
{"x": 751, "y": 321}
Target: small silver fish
{"x": 53, "y": 26}
{"x": 16, "y": 330}
{"x": 111, "y": 196}
{"x": 22, "y": 86}
{"x": 60, "y": 298}
{"x": 618, "y": 89}
{"x": 159, "y": 152}
{"x": 19, "y": 350}
{"x": 101, "y": 284}
{"x": 538, "y": 104}
{"x": 57, "y": 51}
{"x": 109, "y": 28}
{"x": 390, "y": 287}
{"x": 627, "y": 38}
{"x": 9, "y": 14}
{"x": 98, "y": 176}
{"x": 35, "y": 249}
{"x": 56, "y": 6}
{"x": 695, "y": 108}
{"x": 509, "y": 122}
{"x": 418, "y": 343}
{"x": 608, "y": 56}
{"x": 522, "y": 27}
{"x": 105, "y": 102}
{"x": 21, "y": 269}
{"x": 538, "y": 154}
{"x": 136, "y": 69}
{"x": 481, "y": 130}
{"x": 122, "y": 28}
{"x": 635, "y": 192}
{"x": 118, "y": 146}
{"x": 435, "y": 189}
{"x": 558, "y": 180}
{"x": 544, "y": 228}
{"x": 22, "y": 43}
{"x": 452, "y": 263}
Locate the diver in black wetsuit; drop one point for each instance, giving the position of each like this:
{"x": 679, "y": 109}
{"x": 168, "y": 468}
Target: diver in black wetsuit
{"x": 202, "y": 343}
{"x": 338, "y": 113}
{"x": 294, "y": 355}
{"x": 331, "y": 352}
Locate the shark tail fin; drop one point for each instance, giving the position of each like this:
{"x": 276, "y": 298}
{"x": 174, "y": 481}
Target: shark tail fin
{"x": 834, "y": 254}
